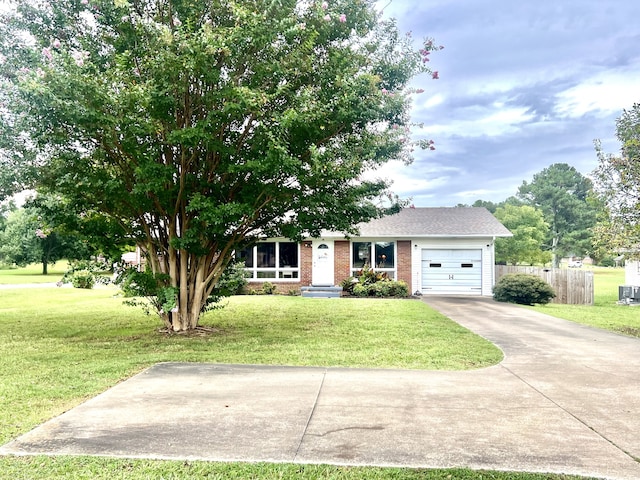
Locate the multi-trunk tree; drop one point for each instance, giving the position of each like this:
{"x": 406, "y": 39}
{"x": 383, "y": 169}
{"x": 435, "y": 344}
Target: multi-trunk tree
{"x": 195, "y": 127}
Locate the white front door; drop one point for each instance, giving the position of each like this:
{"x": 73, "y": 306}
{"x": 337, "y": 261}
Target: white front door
{"x": 322, "y": 273}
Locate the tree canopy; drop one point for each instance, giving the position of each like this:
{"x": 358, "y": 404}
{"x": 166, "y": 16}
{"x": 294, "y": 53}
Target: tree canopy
{"x": 617, "y": 186}
{"x": 561, "y": 193}
{"x": 529, "y": 233}
{"x": 32, "y": 234}
{"x": 195, "y": 127}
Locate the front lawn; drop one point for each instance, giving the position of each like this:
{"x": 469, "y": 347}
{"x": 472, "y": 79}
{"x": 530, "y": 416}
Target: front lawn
{"x": 61, "y": 346}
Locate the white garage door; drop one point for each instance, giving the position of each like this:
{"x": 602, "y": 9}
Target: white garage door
{"x": 451, "y": 272}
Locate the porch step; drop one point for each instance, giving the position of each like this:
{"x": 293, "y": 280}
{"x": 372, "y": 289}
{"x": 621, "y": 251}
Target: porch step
{"x": 321, "y": 291}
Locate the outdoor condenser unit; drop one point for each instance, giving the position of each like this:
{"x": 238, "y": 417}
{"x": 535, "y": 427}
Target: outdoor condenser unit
{"x": 630, "y": 292}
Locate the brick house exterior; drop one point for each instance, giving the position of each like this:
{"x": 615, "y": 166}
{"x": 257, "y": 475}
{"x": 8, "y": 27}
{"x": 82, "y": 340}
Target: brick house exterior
{"x": 433, "y": 250}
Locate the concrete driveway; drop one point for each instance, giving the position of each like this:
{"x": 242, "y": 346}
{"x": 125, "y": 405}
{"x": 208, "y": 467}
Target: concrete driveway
{"x": 566, "y": 399}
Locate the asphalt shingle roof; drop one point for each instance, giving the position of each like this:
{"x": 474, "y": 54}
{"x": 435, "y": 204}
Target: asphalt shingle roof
{"x": 436, "y": 222}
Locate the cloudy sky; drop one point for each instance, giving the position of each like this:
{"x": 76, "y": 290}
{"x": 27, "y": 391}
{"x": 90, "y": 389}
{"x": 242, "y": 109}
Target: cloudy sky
{"x": 523, "y": 84}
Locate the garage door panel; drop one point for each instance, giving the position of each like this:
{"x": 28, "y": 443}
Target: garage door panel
{"x": 452, "y": 271}
{"x": 451, "y": 290}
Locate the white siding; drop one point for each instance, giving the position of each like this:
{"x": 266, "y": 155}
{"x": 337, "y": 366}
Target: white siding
{"x": 484, "y": 245}
{"x": 632, "y": 272}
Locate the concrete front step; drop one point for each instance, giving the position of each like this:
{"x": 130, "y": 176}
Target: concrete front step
{"x": 321, "y": 292}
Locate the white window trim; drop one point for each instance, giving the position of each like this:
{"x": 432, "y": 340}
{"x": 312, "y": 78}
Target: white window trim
{"x": 276, "y": 270}
{"x": 392, "y": 272}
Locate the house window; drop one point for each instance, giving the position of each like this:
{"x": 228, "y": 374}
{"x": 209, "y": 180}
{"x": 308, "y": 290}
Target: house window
{"x": 381, "y": 256}
{"x": 385, "y": 255}
{"x": 272, "y": 260}
{"x": 361, "y": 255}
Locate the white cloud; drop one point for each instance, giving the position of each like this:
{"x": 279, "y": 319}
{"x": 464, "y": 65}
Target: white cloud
{"x": 607, "y": 92}
{"x": 497, "y": 120}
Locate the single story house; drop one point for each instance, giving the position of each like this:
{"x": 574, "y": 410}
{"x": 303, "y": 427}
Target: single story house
{"x": 436, "y": 251}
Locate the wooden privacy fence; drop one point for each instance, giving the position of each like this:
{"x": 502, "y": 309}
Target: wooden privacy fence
{"x": 572, "y": 286}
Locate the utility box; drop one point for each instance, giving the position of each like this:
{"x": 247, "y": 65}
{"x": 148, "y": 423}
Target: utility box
{"x": 629, "y": 294}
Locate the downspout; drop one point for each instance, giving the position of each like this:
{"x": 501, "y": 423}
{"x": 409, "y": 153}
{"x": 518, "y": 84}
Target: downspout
{"x": 493, "y": 263}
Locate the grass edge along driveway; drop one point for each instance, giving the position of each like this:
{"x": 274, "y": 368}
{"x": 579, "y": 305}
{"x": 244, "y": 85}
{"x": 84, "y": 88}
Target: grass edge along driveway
{"x": 71, "y": 344}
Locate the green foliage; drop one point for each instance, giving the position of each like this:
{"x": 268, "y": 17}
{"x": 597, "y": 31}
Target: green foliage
{"x": 348, "y": 284}
{"x": 148, "y": 289}
{"x": 369, "y": 283}
{"x": 83, "y": 279}
{"x": 33, "y": 234}
{"x": 367, "y": 276}
{"x": 523, "y": 289}
{"x": 529, "y": 232}
{"x": 562, "y": 193}
{"x": 192, "y": 128}
{"x": 19, "y": 244}
{"x": 491, "y": 206}
{"x": 268, "y": 288}
{"x": 617, "y": 188}
{"x": 83, "y": 272}
{"x": 360, "y": 290}
{"x": 233, "y": 281}
{"x": 607, "y": 262}
{"x": 382, "y": 289}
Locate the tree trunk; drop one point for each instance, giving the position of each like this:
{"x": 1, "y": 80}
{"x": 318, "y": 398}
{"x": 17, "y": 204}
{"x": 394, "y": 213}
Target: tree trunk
{"x": 187, "y": 313}
{"x": 45, "y": 266}
{"x": 555, "y": 261}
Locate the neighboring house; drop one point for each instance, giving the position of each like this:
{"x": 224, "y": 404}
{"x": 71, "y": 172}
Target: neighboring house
{"x": 632, "y": 272}
{"x": 434, "y": 250}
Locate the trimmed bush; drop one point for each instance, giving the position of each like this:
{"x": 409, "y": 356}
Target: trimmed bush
{"x": 360, "y": 290}
{"x": 398, "y": 289}
{"x": 523, "y": 289}
{"x": 88, "y": 273}
{"x": 83, "y": 279}
{"x": 383, "y": 289}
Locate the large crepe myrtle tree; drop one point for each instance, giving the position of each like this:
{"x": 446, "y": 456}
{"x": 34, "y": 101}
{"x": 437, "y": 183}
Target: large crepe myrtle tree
{"x": 197, "y": 127}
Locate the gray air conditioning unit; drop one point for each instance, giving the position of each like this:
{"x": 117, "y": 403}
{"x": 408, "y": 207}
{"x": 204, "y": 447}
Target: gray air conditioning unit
{"x": 628, "y": 293}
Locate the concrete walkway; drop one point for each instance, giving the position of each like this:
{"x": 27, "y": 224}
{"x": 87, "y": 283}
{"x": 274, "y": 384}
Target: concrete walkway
{"x": 566, "y": 399}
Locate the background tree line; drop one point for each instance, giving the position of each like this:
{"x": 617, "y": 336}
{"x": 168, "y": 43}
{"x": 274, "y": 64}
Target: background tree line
{"x": 553, "y": 216}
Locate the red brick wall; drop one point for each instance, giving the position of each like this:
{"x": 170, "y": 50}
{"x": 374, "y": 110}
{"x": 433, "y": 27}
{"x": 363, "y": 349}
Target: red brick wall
{"x": 342, "y": 262}
{"x": 404, "y": 261}
{"x": 306, "y": 263}
{"x": 283, "y": 288}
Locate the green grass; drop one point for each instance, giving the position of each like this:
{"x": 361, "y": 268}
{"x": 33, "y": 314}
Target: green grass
{"x": 33, "y": 274}
{"x": 60, "y": 346}
{"x": 72, "y": 343}
{"x": 100, "y": 468}
{"x": 605, "y": 313}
